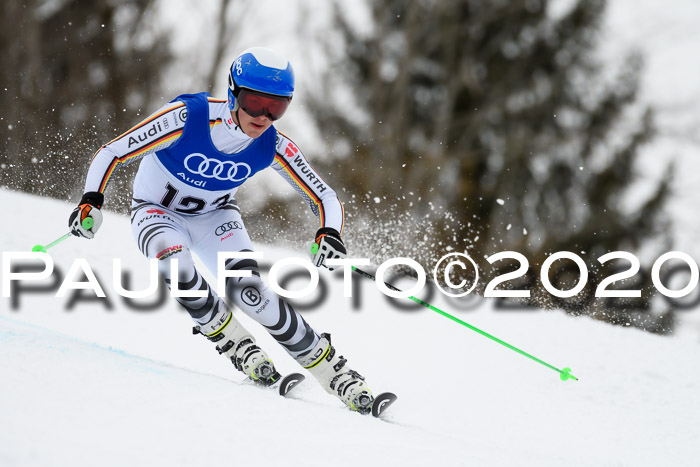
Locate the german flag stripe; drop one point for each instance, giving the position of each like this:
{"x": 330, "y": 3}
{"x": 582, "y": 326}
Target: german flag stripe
{"x": 303, "y": 186}
{"x": 213, "y": 99}
{"x": 143, "y": 123}
{"x": 295, "y": 144}
{"x": 166, "y": 137}
{"x": 213, "y": 123}
{"x": 317, "y": 202}
{"x": 135, "y": 154}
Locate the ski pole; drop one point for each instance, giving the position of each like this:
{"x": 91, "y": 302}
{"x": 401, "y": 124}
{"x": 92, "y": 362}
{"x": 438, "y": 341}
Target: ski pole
{"x": 87, "y": 224}
{"x": 564, "y": 374}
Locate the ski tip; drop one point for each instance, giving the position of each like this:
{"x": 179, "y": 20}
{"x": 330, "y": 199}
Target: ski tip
{"x": 289, "y": 382}
{"x": 382, "y": 402}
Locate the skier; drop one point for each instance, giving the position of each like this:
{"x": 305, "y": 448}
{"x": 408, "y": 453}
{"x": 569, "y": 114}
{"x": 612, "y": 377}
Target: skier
{"x": 195, "y": 152}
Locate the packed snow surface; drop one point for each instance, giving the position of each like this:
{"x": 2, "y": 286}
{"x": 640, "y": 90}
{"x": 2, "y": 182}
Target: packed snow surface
{"x": 92, "y": 385}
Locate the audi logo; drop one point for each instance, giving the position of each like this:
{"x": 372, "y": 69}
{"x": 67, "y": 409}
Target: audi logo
{"x": 214, "y": 168}
{"x": 222, "y": 229}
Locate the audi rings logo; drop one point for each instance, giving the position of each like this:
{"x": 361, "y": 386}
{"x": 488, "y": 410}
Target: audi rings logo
{"x": 206, "y": 167}
{"x": 222, "y": 229}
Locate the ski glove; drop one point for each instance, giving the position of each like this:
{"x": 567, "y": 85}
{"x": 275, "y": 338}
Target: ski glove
{"x": 329, "y": 246}
{"x": 86, "y": 219}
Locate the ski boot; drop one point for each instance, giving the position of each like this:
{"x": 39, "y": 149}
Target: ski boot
{"x": 239, "y": 346}
{"x": 336, "y": 378}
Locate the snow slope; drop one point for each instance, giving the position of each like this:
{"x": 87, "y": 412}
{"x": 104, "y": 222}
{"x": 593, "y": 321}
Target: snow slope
{"x": 92, "y": 386}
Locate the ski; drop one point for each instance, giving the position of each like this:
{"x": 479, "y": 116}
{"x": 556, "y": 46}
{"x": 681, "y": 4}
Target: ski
{"x": 289, "y": 382}
{"x": 284, "y": 384}
{"x": 382, "y": 402}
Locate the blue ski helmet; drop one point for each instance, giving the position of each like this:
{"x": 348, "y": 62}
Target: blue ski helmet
{"x": 261, "y": 70}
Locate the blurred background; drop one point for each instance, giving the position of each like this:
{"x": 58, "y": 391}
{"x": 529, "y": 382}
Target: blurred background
{"x": 445, "y": 126}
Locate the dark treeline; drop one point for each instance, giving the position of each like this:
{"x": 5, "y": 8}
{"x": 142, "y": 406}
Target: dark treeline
{"x": 76, "y": 73}
{"x": 494, "y": 120}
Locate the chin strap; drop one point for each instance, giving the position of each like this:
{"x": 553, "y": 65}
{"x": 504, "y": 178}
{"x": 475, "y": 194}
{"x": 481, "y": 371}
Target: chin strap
{"x": 238, "y": 125}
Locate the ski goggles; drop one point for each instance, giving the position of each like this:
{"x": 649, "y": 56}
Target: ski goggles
{"x": 256, "y": 104}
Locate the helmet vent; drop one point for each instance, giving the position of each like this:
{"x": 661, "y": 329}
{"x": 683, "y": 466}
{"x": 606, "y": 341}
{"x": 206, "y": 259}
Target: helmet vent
{"x": 267, "y": 57}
